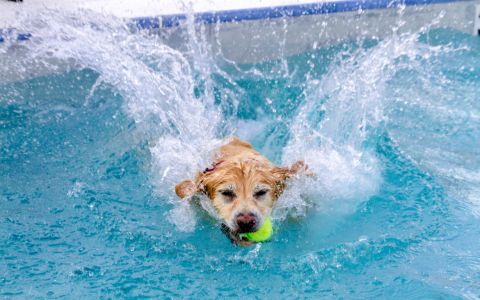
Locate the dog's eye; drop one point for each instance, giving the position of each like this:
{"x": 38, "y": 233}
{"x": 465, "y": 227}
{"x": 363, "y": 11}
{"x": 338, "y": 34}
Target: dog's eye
{"x": 228, "y": 193}
{"x": 260, "y": 193}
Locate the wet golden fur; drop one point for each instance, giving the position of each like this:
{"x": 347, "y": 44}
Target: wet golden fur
{"x": 240, "y": 181}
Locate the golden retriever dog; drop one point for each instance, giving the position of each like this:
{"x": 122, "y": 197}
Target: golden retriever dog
{"x": 242, "y": 185}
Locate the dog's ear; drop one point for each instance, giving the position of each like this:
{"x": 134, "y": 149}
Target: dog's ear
{"x": 186, "y": 188}
{"x": 283, "y": 173}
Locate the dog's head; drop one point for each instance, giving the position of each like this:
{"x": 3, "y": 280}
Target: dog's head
{"x": 243, "y": 192}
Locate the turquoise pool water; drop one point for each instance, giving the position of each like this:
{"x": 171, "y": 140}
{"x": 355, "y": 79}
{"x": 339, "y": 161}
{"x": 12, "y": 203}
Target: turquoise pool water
{"x": 89, "y": 158}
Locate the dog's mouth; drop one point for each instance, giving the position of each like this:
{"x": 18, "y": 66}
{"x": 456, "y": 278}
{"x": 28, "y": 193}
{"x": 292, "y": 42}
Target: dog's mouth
{"x": 232, "y": 235}
{"x": 235, "y": 235}
{"x": 244, "y": 230}
{"x": 238, "y": 229}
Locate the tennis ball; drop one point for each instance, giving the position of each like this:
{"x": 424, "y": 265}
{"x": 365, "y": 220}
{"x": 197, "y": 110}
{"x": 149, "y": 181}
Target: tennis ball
{"x": 261, "y": 235}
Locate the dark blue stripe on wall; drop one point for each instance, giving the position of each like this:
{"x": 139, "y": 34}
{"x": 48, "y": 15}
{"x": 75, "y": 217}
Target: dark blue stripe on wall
{"x": 280, "y": 11}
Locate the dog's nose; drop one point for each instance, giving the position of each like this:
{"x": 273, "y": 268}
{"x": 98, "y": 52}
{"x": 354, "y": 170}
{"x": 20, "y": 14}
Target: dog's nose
{"x": 246, "y": 222}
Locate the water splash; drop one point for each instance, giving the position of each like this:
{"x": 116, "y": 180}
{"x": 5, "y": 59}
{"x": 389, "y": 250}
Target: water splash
{"x": 344, "y": 112}
{"x": 435, "y": 122}
{"x": 156, "y": 83}
{"x": 171, "y": 98}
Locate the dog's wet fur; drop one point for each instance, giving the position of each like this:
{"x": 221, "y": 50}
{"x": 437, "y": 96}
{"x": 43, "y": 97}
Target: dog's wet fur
{"x": 242, "y": 185}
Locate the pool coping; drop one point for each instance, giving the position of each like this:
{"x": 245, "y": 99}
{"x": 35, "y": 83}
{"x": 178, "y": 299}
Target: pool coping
{"x": 263, "y": 13}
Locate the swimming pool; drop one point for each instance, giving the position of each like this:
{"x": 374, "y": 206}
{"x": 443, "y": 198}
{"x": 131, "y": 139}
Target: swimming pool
{"x": 89, "y": 157}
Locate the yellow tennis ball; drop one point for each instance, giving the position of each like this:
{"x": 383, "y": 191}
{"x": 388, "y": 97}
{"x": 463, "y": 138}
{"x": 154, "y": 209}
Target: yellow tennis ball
{"x": 261, "y": 235}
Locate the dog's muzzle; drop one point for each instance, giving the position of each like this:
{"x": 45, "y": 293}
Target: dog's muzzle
{"x": 246, "y": 222}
